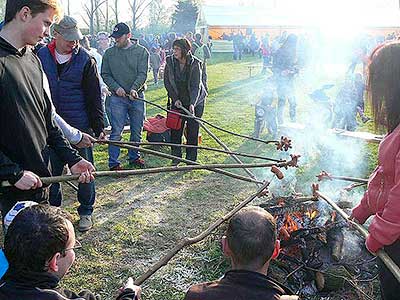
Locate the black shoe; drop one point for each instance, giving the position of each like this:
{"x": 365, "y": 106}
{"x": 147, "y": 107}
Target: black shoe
{"x": 137, "y": 163}
{"x": 116, "y": 168}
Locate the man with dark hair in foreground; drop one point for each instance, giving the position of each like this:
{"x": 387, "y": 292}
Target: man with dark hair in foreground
{"x": 26, "y": 113}
{"x": 250, "y": 243}
{"x": 40, "y": 248}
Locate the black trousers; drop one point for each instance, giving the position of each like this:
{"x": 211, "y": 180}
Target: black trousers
{"x": 192, "y": 131}
{"x": 390, "y": 287}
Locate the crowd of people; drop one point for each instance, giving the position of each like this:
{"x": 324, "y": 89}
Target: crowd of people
{"x": 55, "y": 96}
{"x": 286, "y": 56}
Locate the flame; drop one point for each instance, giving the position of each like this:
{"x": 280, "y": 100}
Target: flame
{"x": 311, "y": 214}
{"x": 289, "y": 225}
{"x": 294, "y": 221}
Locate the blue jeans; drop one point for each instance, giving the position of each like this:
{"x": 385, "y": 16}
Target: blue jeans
{"x": 86, "y": 191}
{"x": 120, "y": 108}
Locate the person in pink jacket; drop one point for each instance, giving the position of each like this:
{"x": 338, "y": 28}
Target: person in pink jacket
{"x": 382, "y": 198}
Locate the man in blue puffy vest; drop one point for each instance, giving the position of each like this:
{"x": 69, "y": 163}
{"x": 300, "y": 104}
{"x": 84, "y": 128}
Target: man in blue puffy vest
{"x": 75, "y": 90}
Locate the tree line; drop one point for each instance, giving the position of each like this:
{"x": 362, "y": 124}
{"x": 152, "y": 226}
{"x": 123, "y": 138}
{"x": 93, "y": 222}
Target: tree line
{"x": 150, "y": 16}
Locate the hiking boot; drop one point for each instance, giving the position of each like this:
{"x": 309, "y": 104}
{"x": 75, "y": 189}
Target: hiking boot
{"x": 116, "y": 168}
{"x": 85, "y": 223}
{"x": 137, "y": 163}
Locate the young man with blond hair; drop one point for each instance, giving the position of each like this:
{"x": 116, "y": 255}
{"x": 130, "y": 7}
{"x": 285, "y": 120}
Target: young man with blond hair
{"x": 26, "y": 119}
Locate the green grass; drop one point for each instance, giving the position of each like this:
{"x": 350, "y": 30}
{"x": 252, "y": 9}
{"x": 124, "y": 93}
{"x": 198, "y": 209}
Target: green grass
{"x": 138, "y": 219}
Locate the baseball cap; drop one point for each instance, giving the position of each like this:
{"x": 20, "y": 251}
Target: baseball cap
{"x": 119, "y": 30}
{"x": 68, "y": 28}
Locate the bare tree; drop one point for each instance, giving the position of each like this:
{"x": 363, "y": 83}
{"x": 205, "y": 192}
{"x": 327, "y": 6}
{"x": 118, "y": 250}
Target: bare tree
{"x": 159, "y": 16}
{"x": 107, "y": 20}
{"x": 138, "y": 8}
{"x": 97, "y": 17}
{"x": 91, "y": 10}
{"x": 114, "y": 8}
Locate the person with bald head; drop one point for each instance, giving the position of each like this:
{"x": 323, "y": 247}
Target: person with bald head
{"x": 250, "y": 243}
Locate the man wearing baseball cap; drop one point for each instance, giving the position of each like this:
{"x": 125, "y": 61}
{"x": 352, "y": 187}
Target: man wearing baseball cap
{"x": 75, "y": 90}
{"x": 124, "y": 70}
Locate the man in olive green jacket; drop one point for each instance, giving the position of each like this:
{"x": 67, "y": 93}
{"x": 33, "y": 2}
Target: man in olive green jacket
{"x": 124, "y": 71}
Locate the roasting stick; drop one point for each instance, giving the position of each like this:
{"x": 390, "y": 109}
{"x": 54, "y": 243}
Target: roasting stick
{"x": 210, "y": 167}
{"x": 197, "y": 147}
{"x": 189, "y": 241}
{"x": 390, "y": 264}
{"x": 277, "y": 143}
{"x": 222, "y": 144}
{"x": 325, "y": 175}
{"x": 180, "y": 159}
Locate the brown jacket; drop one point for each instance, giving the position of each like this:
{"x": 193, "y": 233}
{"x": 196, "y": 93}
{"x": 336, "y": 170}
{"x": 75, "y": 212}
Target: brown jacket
{"x": 238, "y": 285}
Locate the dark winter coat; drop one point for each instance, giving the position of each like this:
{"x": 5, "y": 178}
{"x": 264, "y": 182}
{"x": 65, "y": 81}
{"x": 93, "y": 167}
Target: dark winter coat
{"x": 238, "y": 285}
{"x": 196, "y": 82}
{"x": 44, "y": 286}
{"x": 27, "y": 126}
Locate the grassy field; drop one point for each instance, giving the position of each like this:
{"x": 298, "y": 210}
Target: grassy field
{"x": 137, "y": 219}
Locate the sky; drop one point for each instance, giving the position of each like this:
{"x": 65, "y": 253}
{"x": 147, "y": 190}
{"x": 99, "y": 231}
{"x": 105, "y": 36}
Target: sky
{"x": 334, "y": 6}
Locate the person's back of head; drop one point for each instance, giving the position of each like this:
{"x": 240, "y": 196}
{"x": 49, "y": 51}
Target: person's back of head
{"x": 35, "y": 236}
{"x": 251, "y": 237}
{"x": 197, "y": 37}
{"x": 84, "y": 42}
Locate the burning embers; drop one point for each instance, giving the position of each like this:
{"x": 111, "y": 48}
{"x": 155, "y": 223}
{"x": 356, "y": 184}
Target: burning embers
{"x": 294, "y": 221}
{"x": 313, "y": 245}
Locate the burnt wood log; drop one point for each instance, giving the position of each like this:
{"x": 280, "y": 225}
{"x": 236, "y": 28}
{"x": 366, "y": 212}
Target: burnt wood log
{"x": 332, "y": 279}
{"x": 311, "y": 233}
{"x": 335, "y": 239}
{"x": 295, "y": 207}
{"x": 386, "y": 259}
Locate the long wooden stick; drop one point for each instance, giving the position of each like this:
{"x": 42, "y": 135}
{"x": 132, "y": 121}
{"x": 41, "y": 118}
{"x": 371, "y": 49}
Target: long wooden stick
{"x": 325, "y": 175}
{"x": 189, "y": 241}
{"x": 351, "y": 179}
{"x": 222, "y": 144}
{"x": 196, "y": 147}
{"x": 161, "y": 154}
{"x": 390, "y": 264}
{"x": 190, "y": 116}
{"x": 123, "y": 173}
